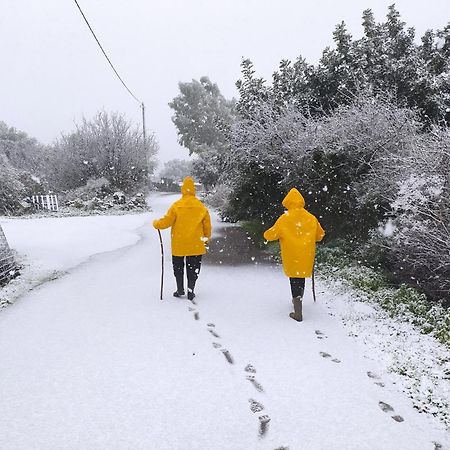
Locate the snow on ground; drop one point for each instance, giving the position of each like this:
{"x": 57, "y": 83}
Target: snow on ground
{"x": 94, "y": 360}
{"x": 47, "y": 247}
{"x": 417, "y": 363}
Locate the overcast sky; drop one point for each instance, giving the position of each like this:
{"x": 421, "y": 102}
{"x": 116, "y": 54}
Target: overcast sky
{"x": 53, "y": 73}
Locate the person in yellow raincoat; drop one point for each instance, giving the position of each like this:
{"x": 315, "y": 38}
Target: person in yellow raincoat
{"x": 191, "y": 229}
{"x": 298, "y": 231}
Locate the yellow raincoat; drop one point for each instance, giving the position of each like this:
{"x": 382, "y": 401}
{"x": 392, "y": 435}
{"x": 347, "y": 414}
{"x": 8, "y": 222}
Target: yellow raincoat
{"x": 190, "y": 222}
{"x": 298, "y": 231}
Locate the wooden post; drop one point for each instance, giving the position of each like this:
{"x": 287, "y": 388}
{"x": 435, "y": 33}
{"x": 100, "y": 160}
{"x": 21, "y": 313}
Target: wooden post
{"x": 144, "y": 133}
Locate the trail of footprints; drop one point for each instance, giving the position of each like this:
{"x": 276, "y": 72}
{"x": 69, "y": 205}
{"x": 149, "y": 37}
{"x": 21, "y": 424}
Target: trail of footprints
{"x": 327, "y": 355}
{"x": 255, "y": 406}
{"x": 385, "y": 407}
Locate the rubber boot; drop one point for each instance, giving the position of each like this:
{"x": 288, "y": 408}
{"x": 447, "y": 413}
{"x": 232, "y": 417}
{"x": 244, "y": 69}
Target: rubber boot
{"x": 297, "y": 314}
{"x": 180, "y": 286}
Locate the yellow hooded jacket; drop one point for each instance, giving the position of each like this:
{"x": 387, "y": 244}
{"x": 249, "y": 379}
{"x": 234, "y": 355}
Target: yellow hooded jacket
{"x": 190, "y": 222}
{"x": 298, "y": 231}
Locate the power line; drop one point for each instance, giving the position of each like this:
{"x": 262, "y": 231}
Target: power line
{"x": 106, "y": 56}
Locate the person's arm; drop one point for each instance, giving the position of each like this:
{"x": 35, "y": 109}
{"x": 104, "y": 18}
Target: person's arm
{"x": 167, "y": 221}
{"x": 320, "y": 232}
{"x": 207, "y": 225}
{"x": 272, "y": 234}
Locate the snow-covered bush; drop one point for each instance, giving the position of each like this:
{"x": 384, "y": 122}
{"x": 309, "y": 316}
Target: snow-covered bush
{"x": 421, "y": 242}
{"x": 12, "y": 189}
{"x": 94, "y": 187}
{"x": 107, "y": 146}
{"x": 219, "y": 197}
{"x": 328, "y": 159}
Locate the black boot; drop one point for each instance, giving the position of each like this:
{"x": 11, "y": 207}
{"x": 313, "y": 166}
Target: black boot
{"x": 191, "y": 295}
{"x": 298, "y": 313}
{"x": 180, "y": 285}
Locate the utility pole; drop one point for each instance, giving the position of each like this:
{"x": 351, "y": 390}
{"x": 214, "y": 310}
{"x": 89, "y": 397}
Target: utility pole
{"x": 143, "y": 124}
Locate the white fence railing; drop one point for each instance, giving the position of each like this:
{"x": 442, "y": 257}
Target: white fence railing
{"x": 7, "y": 262}
{"x": 49, "y": 202}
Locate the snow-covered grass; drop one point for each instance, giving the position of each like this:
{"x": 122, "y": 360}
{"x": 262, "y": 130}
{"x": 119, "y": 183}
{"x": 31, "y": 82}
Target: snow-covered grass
{"x": 401, "y": 302}
{"x": 398, "y": 327}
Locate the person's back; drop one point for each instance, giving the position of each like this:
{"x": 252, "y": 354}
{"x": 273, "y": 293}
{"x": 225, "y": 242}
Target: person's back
{"x": 298, "y": 231}
{"x": 191, "y": 228}
{"x": 188, "y": 230}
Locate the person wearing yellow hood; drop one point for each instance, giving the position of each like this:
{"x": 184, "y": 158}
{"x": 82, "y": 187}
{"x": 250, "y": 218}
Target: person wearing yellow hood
{"x": 191, "y": 229}
{"x": 298, "y": 231}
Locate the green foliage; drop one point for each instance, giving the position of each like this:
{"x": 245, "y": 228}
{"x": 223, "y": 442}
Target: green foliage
{"x": 202, "y": 117}
{"x": 336, "y": 262}
{"x": 385, "y": 58}
{"x": 258, "y": 197}
{"x": 199, "y": 108}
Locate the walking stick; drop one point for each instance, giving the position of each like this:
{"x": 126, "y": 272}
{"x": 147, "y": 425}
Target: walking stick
{"x": 162, "y": 263}
{"x": 313, "y": 285}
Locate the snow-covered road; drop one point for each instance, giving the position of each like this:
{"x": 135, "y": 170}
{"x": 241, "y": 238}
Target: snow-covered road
{"x": 94, "y": 360}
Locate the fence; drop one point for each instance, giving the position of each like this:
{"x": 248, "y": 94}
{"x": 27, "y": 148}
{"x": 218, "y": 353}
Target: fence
{"x": 7, "y": 263}
{"x": 49, "y": 202}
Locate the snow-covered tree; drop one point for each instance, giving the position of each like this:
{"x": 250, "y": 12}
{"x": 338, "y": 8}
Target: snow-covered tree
{"x": 12, "y": 189}
{"x": 176, "y": 170}
{"x": 199, "y": 110}
{"x": 107, "y": 146}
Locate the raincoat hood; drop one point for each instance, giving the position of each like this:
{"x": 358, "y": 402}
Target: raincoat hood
{"x": 294, "y": 200}
{"x": 188, "y": 187}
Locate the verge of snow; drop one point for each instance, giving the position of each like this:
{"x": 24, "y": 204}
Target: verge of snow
{"x": 418, "y": 364}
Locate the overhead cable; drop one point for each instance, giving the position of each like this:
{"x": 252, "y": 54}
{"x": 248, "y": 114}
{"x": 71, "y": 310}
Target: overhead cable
{"x": 106, "y": 56}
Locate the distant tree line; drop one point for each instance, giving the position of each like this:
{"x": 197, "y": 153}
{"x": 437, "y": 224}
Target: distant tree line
{"x": 106, "y": 147}
{"x": 363, "y": 134}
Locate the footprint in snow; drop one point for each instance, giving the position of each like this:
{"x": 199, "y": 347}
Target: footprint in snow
{"x": 216, "y": 345}
{"x": 190, "y": 308}
{"x": 327, "y": 355}
{"x": 385, "y": 407}
{"x": 437, "y": 446}
{"x": 320, "y": 335}
{"x": 374, "y": 376}
{"x": 263, "y": 425}
{"x": 227, "y": 355}
{"x": 196, "y": 315}
{"x": 255, "y": 407}
{"x": 213, "y": 333}
{"x": 250, "y": 368}
{"x": 398, "y": 418}
{"x": 210, "y": 325}
{"x": 255, "y": 383}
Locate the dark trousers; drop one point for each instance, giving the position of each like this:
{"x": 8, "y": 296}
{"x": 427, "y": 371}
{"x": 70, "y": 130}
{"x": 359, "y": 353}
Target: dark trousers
{"x": 193, "y": 264}
{"x": 297, "y": 287}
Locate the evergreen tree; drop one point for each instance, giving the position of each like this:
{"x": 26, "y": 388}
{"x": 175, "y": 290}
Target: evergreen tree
{"x": 198, "y": 111}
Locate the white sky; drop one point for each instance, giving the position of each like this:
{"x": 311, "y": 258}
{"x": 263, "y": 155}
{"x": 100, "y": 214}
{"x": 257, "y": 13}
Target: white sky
{"x": 53, "y": 73}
